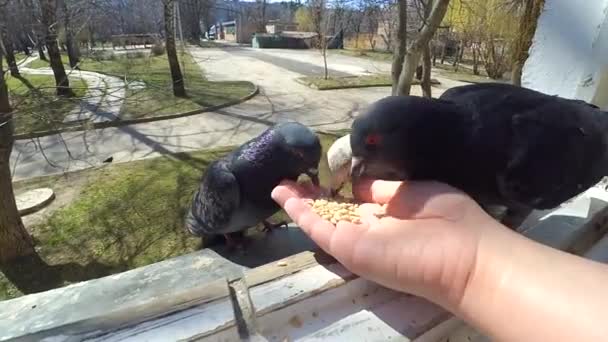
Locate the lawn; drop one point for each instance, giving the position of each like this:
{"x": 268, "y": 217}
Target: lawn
{"x": 463, "y": 73}
{"x": 156, "y": 98}
{"x": 38, "y": 63}
{"x": 378, "y": 80}
{"x": 124, "y": 215}
{"x": 36, "y": 106}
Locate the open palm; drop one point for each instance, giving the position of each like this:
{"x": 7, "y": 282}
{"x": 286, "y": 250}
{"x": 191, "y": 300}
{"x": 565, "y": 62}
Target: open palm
{"x": 425, "y": 244}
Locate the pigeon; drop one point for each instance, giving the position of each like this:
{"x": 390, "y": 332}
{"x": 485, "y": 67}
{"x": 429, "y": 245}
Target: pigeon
{"x": 339, "y": 161}
{"x": 505, "y": 146}
{"x": 234, "y": 192}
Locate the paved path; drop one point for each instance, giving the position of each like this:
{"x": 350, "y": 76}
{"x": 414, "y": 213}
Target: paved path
{"x": 281, "y": 99}
{"x": 103, "y": 99}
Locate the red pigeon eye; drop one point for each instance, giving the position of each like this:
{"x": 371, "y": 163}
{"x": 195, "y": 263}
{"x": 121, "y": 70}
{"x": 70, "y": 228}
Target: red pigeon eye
{"x": 372, "y": 139}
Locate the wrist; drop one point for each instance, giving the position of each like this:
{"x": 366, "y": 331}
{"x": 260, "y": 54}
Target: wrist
{"x": 520, "y": 290}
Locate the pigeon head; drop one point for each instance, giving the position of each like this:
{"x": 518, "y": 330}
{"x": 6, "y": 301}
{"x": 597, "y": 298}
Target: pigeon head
{"x": 390, "y": 138}
{"x": 339, "y": 158}
{"x": 302, "y": 148}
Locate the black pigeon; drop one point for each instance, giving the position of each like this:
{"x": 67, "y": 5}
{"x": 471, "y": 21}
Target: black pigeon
{"x": 503, "y": 145}
{"x": 108, "y": 160}
{"x": 234, "y": 193}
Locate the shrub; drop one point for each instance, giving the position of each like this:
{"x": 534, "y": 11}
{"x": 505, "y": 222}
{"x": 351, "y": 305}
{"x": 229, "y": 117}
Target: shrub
{"x": 157, "y": 49}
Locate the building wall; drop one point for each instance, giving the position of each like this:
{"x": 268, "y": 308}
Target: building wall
{"x": 569, "y": 53}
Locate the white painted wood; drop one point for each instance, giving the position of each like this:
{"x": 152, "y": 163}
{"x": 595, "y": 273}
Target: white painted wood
{"x": 315, "y": 313}
{"x": 289, "y": 290}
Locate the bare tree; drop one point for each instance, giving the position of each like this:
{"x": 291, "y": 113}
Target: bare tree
{"x": 176, "y": 72}
{"x": 261, "y": 16}
{"x": 319, "y": 23}
{"x": 425, "y": 82}
{"x": 6, "y": 43}
{"x": 72, "y": 48}
{"x": 49, "y": 21}
{"x": 15, "y": 241}
{"x": 523, "y": 41}
{"x": 401, "y": 46}
{"x": 415, "y": 50}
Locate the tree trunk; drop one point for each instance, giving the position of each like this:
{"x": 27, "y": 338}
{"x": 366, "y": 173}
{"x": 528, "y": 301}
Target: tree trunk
{"x": 176, "y": 72}
{"x": 41, "y": 52}
{"x": 40, "y": 47}
{"x": 49, "y": 22}
{"x": 527, "y": 28}
{"x": 412, "y": 57}
{"x": 72, "y": 49}
{"x": 426, "y": 72}
{"x": 475, "y": 60}
{"x": 15, "y": 241}
{"x": 401, "y": 46}
{"x": 7, "y": 45}
{"x": 325, "y": 58}
{"x": 10, "y": 56}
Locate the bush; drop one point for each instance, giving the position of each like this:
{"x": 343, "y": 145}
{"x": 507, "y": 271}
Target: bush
{"x": 102, "y": 55}
{"x": 157, "y": 49}
{"x": 136, "y": 54}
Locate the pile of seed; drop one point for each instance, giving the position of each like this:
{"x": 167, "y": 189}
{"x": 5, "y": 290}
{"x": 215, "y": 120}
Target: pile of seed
{"x": 335, "y": 211}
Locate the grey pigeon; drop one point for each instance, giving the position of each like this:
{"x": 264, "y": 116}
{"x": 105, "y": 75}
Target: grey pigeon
{"x": 234, "y": 192}
{"x": 503, "y": 145}
{"x": 339, "y": 157}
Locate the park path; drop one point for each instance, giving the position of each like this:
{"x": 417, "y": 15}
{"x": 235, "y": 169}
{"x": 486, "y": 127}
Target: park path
{"x": 104, "y": 97}
{"x": 281, "y": 98}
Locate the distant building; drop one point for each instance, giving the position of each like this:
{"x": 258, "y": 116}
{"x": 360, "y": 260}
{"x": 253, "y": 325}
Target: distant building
{"x": 236, "y": 31}
{"x": 276, "y": 27}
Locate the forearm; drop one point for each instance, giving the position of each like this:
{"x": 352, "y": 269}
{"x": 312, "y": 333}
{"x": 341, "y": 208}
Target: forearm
{"x": 521, "y": 290}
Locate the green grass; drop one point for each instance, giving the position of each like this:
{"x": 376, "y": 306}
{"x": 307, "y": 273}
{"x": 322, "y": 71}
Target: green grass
{"x": 446, "y": 70}
{"x": 464, "y": 74}
{"x": 157, "y": 99}
{"x": 38, "y": 63}
{"x": 124, "y": 215}
{"x": 36, "y": 106}
{"x": 330, "y": 83}
{"x": 19, "y": 56}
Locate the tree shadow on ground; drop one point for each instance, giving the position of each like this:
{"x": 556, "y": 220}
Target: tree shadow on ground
{"x": 32, "y": 274}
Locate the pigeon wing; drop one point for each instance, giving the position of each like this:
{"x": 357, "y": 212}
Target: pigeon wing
{"x": 549, "y": 160}
{"x": 216, "y": 200}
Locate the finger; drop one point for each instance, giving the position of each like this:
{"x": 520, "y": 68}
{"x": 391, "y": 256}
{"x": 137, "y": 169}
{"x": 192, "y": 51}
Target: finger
{"x": 319, "y": 230}
{"x": 377, "y": 191}
{"x": 285, "y": 191}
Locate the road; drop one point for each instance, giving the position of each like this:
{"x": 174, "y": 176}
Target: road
{"x": 281, "y": 98}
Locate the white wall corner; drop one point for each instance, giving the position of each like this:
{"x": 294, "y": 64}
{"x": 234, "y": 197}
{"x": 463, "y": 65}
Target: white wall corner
{"x": 569, "y": 53}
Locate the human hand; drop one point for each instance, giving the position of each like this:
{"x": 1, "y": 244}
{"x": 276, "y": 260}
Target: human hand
{"x": 426, "y": 244}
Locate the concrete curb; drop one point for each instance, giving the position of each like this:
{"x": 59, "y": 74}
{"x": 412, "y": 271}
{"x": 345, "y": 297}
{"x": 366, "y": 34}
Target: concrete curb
{"x": 36, "y": 207}
{"x": 119, "y": 122}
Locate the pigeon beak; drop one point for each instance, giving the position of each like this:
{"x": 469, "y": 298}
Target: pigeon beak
{"x": 313, "y": 173}
{"x": 357, "y": 167}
